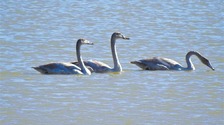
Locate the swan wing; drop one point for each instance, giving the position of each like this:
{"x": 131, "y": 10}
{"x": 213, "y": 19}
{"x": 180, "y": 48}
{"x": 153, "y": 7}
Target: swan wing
{"x": 171, "y": 64}
{"x": 58, "y": 68}
{"x": 156, "y": 63}
{"x": 148, "y": 64}
{"x": 96, "y": 66}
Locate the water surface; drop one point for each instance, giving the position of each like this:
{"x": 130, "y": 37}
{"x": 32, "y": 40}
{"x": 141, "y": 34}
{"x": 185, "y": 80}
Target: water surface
{"x": 38, "y": 32}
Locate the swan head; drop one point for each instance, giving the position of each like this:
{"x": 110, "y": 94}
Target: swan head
{"x": 206, "y": 62}
{"x": 202, "y": 58}
{"x": 118, "y": 35}
{"x": 84, "y": 41}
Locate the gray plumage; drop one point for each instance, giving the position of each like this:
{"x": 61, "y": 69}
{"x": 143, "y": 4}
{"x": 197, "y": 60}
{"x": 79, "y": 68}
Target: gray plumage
{"x": 100, "y": 67}
{"x": 160, "y": 63}
{"x": 66, "y": 68}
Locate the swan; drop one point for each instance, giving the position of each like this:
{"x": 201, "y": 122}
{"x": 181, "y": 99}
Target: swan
{"x": 100, "y": 67}
{"x": 160, "y": 63}
{"x": 67, "y": 68}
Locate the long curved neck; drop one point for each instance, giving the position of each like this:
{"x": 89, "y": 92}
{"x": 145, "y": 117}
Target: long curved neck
{"x": 117, "y": 65}
{"x": 80, "y": 61}
{"x": 190, "y": 65}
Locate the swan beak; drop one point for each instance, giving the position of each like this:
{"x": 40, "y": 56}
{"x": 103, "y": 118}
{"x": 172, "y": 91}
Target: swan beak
{"x": 90, "y": 43}
{"x": 210, "y": 66}
{"x": 124, "y": 37}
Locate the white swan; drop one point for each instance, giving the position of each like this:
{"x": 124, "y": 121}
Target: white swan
{"x": 159, "y": 63}
{"x": 67, "y": 68}
{"x": 100, "y": 67}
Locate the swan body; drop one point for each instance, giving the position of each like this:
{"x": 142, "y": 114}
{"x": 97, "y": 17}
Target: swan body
{"x": 67, "y": 68}
{"x": 160, "y": 63}
{"x": 58, "y": 68}
{"x": 96, "y": 66}
{"x": 100, "y": 67}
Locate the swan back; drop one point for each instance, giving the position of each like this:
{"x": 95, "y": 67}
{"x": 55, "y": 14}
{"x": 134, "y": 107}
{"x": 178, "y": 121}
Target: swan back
{"x": 157, "y": 63}
{"x": 58, "y": 68}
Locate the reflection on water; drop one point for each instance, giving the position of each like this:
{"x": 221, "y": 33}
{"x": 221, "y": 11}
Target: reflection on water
{"x": 38, "y": 32}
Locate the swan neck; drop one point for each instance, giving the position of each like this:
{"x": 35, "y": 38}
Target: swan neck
{"x": 80, "y": 61}
{"x": 190, "y": 65}
{"x": 117, "y": 65}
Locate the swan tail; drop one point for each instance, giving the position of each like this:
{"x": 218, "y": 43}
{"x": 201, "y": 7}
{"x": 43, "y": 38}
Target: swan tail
{"x": 41, "y": 70}
{"x": 134, "y": 62}
{"x": 139, "y": 64}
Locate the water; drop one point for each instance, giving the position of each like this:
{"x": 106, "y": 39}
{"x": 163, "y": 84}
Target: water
{"x": 38, "y": 32}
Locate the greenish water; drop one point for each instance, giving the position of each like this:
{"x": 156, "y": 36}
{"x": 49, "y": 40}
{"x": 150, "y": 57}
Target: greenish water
{"x": 39, "y": 32}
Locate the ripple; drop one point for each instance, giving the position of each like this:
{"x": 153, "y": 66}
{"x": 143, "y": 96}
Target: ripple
{"x": 37, "y": 32}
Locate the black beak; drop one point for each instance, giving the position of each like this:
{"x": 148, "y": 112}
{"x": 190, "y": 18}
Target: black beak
{"x": 124, "y": 37}
{"x": 90, "y": 43}
{"x": 210, "y": 66}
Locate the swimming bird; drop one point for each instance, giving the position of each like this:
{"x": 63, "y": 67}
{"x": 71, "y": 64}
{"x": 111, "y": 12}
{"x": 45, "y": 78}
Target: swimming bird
{"x": 160, "y": 63}
{"x": 67, "y": 68}
{"x": 100, "y": 67}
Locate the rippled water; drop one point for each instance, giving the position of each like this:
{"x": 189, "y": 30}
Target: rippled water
{"x": 38, "y": 32}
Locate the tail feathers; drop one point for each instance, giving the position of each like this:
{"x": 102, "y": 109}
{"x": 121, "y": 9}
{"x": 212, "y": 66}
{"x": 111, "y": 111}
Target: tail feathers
{"x": 134, "y": 62}
{"x": 41, "y": 70}
{"x": 75, "y": 63}
{"x": 139, "y": 64}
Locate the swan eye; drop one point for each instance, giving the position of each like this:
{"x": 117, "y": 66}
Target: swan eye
{"x": 118, "y": 35}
